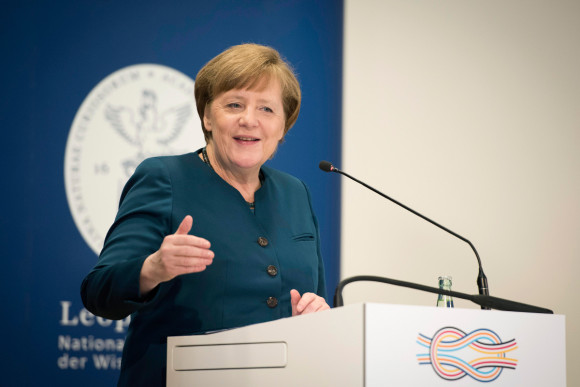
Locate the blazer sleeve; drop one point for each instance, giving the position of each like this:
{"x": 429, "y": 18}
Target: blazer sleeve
{"x": 321, "y": 291}
{"x": 111, "y": 289}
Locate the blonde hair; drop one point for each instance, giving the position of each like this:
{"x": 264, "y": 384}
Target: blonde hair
{"x": 246, "y": 66}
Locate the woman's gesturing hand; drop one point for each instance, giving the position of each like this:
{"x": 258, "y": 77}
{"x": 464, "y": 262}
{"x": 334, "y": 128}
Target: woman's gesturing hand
{"x": 307, "y": 303}
{"x": 179, "y": 254}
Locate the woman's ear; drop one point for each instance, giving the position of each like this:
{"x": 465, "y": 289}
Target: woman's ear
{"x": 206, "y": 118}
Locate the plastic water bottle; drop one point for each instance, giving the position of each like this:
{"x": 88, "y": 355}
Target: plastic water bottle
{"x": 445, "y": 301}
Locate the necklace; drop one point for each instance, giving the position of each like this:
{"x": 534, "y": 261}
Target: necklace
{"x": 206, "y": 161}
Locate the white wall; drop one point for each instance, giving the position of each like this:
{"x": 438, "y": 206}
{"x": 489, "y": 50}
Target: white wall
{"x": 469, "y": 112}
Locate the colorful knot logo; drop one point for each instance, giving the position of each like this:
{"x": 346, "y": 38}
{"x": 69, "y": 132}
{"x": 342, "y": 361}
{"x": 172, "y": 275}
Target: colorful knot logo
{"x": 480, "y": 354}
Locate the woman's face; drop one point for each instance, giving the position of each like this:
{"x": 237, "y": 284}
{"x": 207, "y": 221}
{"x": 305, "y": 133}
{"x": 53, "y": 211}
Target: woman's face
{"x": 246, "y": 126}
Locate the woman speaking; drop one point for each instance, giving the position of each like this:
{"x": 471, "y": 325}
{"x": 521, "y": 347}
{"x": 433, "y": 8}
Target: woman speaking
{"x": 213, "y": 239}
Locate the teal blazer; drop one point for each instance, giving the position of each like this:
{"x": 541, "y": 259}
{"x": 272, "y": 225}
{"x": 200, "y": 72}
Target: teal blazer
{"x": 259, "y": 257}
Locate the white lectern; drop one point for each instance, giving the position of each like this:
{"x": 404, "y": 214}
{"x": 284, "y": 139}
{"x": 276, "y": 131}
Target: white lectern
{"x": 377, "y": 345}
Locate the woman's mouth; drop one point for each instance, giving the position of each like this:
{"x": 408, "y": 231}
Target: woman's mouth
{"x": 246, "y": 140}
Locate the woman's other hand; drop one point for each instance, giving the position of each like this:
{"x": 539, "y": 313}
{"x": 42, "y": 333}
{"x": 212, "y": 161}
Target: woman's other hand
{"x": 179, "y": 254}
{"x": 307, "y": 303}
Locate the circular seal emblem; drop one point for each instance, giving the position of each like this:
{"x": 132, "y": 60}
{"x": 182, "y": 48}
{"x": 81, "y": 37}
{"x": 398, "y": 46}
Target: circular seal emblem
{"x": 136, "y": 112}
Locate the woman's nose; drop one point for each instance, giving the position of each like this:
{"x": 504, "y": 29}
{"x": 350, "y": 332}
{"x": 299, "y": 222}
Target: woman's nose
{"x": 249, "y": 118}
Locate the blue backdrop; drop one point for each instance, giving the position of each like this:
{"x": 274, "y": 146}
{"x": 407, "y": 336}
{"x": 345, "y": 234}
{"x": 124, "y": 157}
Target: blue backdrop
{"x": 54, "y": 54}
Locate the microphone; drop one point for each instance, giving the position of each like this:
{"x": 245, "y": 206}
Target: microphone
{"x": 485, "y": 301}
{"x": 326, "y": 166}
{"x": 482, "y": 286}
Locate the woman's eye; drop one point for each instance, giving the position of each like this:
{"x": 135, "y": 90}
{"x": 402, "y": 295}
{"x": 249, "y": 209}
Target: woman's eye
{"x": 234, "y": 105}
{"x": 267, "y": 109}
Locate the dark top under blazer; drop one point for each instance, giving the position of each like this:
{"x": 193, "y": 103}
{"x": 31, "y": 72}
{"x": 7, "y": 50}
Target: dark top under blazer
{"x": 231, "y": 292}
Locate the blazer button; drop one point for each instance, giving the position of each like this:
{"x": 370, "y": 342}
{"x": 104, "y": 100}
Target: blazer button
{"x": 272, "y": 302}
{"x": 272, "y": 270}
{"x": 262, "y": 241}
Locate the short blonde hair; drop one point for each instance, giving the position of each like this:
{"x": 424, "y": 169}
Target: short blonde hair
{"x": 245, "y": 66}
